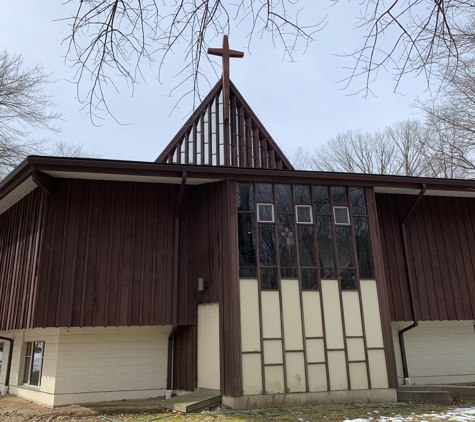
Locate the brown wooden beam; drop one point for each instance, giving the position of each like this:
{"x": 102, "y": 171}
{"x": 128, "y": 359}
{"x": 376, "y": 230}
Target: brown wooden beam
{"x": 44, "y": 181}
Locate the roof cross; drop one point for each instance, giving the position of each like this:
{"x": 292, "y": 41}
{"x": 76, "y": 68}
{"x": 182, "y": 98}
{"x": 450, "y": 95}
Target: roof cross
{"x": 226, "y": 54}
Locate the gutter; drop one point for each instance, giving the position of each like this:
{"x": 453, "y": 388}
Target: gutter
{"x": 407, "y": 379}
{"x": 9, "y": 361}
{"x": 176, "y": 267}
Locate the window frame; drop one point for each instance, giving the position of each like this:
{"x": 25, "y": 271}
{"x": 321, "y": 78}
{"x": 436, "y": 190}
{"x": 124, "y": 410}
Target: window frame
{"x": 31, "y": 362}
{"x": 258, "y": 205}
{"x": 310, "y": 213}
{"x": 345, "y": 207}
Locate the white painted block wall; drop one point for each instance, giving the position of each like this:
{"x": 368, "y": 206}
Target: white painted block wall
{"x": 437, "y": 352}
{"x": 84, "y": 365}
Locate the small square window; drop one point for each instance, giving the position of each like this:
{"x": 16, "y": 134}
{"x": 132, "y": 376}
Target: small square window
{"x": 265, "y": 213}
{"x": 304, "y": 214}
{"x": 341, "y": 215}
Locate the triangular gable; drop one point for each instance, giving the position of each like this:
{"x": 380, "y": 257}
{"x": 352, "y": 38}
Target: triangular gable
{"x": 208, "y": 139}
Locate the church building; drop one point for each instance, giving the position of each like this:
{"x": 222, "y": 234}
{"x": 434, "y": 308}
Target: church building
{"x": 220, "y": 266}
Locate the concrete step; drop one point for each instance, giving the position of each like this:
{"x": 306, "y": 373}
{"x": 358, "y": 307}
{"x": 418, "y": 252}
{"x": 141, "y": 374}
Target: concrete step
{"x": 436, "y": 397}
{"x": 191, "y": 402}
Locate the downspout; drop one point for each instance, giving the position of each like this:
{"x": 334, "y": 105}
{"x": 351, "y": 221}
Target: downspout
{"x": 176, "y": 250}
{"x": 9, "y": 362}
{"x": 407, "y": 379}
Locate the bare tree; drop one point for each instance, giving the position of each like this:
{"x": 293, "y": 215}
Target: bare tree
{"x": 110, "y": 38}
{"x": 24, "y": 106}
{"x": 66, "y": 149}
{"x": 407, "y": 148}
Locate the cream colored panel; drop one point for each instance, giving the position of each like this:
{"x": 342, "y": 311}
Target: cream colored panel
{"x": 251, "y": 373}
{"x": 273, "y": 351}
{"x": 317, "y": 377}
{"x": 312, "y": 314}
{"x": 358, "y": 376}
{"x": 372, "y": 319}
{"x": 355, "y": 349}
{"x": 352, "y": 312}
{"x": 315, "y": 350}
{"x": 295, "y": 367}
{"x": 270, "y": 303}
{"x": 208, "y": 346}
{"x": 331, "y": 309}
{"x": 250, "y": 332}
{"x": 292, "y": 315}
{"x": 337, "y": 369}
{"x": 274, "y": 379}
{"x": 377, "y": 369}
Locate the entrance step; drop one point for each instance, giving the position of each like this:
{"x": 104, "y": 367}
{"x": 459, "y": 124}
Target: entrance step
{"x": 191, "y": 402}
{"x": 426, "y": 395}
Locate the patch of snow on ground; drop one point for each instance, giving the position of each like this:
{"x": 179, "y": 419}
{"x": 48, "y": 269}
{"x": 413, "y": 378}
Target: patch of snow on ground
{"x": 455, "y": 415}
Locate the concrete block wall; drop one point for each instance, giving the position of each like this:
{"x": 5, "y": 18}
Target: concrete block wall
{"x": 438, "y": 352}
{"x": 93, "y": 364}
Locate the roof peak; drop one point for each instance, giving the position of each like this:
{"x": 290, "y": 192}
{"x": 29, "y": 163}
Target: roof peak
{"x": 209, "y": 138}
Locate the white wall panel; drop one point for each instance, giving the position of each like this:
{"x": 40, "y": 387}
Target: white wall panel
{"x": 250, "y": 331}
{"x": 337, "y": 370}
{"x": 332, "y": 312}
{"x": 377, "y": 369}
{"x": 317, "y": 377}
{"x": 312, "y": 314}
{"x": 292, "y": 315}
{"x": 352, "y": 313}
{"x": 372, "y": 318}
{"x": 358, "y": 376}
{"x": 274, "y": 379}
{"x": 273, "y": 351}
{"x": 251, "y": 373}
{"x": 295, "y": 367}
{"x": 355, "y": 349}
{"x": 315, "y": 350}
{"x": 270, "y": 303}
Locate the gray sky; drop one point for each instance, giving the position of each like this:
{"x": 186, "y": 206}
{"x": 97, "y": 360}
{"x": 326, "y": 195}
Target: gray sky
{"x": 300, "y": 103}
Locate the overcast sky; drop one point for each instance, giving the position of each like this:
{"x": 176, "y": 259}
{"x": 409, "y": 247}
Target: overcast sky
{"x": 300, "y": 103}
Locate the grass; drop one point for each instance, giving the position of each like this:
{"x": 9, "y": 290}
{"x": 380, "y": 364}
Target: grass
{"x": 336, "y": 413}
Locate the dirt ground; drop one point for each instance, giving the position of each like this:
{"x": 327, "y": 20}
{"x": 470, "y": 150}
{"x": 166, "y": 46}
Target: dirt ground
{"x": 14, "y": 409}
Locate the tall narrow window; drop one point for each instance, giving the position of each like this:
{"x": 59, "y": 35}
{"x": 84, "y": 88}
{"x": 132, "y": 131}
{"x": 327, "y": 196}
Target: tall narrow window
{"x": 325, "y": 247}
{"x": 33, "y": 363}
{"x": 287, "y": 253}
{"x": 363, "y": 247}
{"x": 247, "y": 248}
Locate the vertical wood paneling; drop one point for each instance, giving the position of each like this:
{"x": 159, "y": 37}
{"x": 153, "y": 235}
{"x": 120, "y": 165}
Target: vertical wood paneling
{"x": 21, "y": 229}
{"x": 441, "y": 237}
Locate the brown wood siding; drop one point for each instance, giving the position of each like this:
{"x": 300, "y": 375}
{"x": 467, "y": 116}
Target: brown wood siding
{"x": 441, "y": 238}
{"x": 208, "y": 243}
{"x": 106, "y": 255}
{"x": 21, "y": 228}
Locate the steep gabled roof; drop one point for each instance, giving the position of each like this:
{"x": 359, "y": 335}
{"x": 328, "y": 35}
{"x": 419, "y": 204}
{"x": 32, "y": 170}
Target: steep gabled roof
{"x": 208, "y": 139}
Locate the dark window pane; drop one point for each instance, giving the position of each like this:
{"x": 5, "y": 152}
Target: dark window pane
{"x": 1, "y": 357}
{"x": 26, "y": 371}
{"x": 264, "y": 192}
{"x": 342, "y": 215}
{"x": 363, "y": 247}
{"x": 247, "y": 242}
{"x": 309, "y": 279}
{"x": 245, "y": 197}
{"x": 247, "y": 272}
{"x": 267, "y": 245}
{"x": 304, "y": 214}
{"x": 343, "y": 241}
{"x": 284, "y": 198}
{"x": 37, "y": 365}
{"x": 288, "y": 273}
{"x": 302, "y": 194}
{"x": 268, "y": 278}
{"x": 306, "y": 246}
{"x": 339, "y": 196}
{"x": 287, "y": 253}
{"x": 358, "y": 205}
{"x": 347, "y": 278}
{"x": 265, "y": 212}
{"x": 321, "y": 202}
{"x": 325, "y": 247}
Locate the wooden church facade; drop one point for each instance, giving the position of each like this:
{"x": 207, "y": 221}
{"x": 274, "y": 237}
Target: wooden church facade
{"x": 220, "y": 266}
